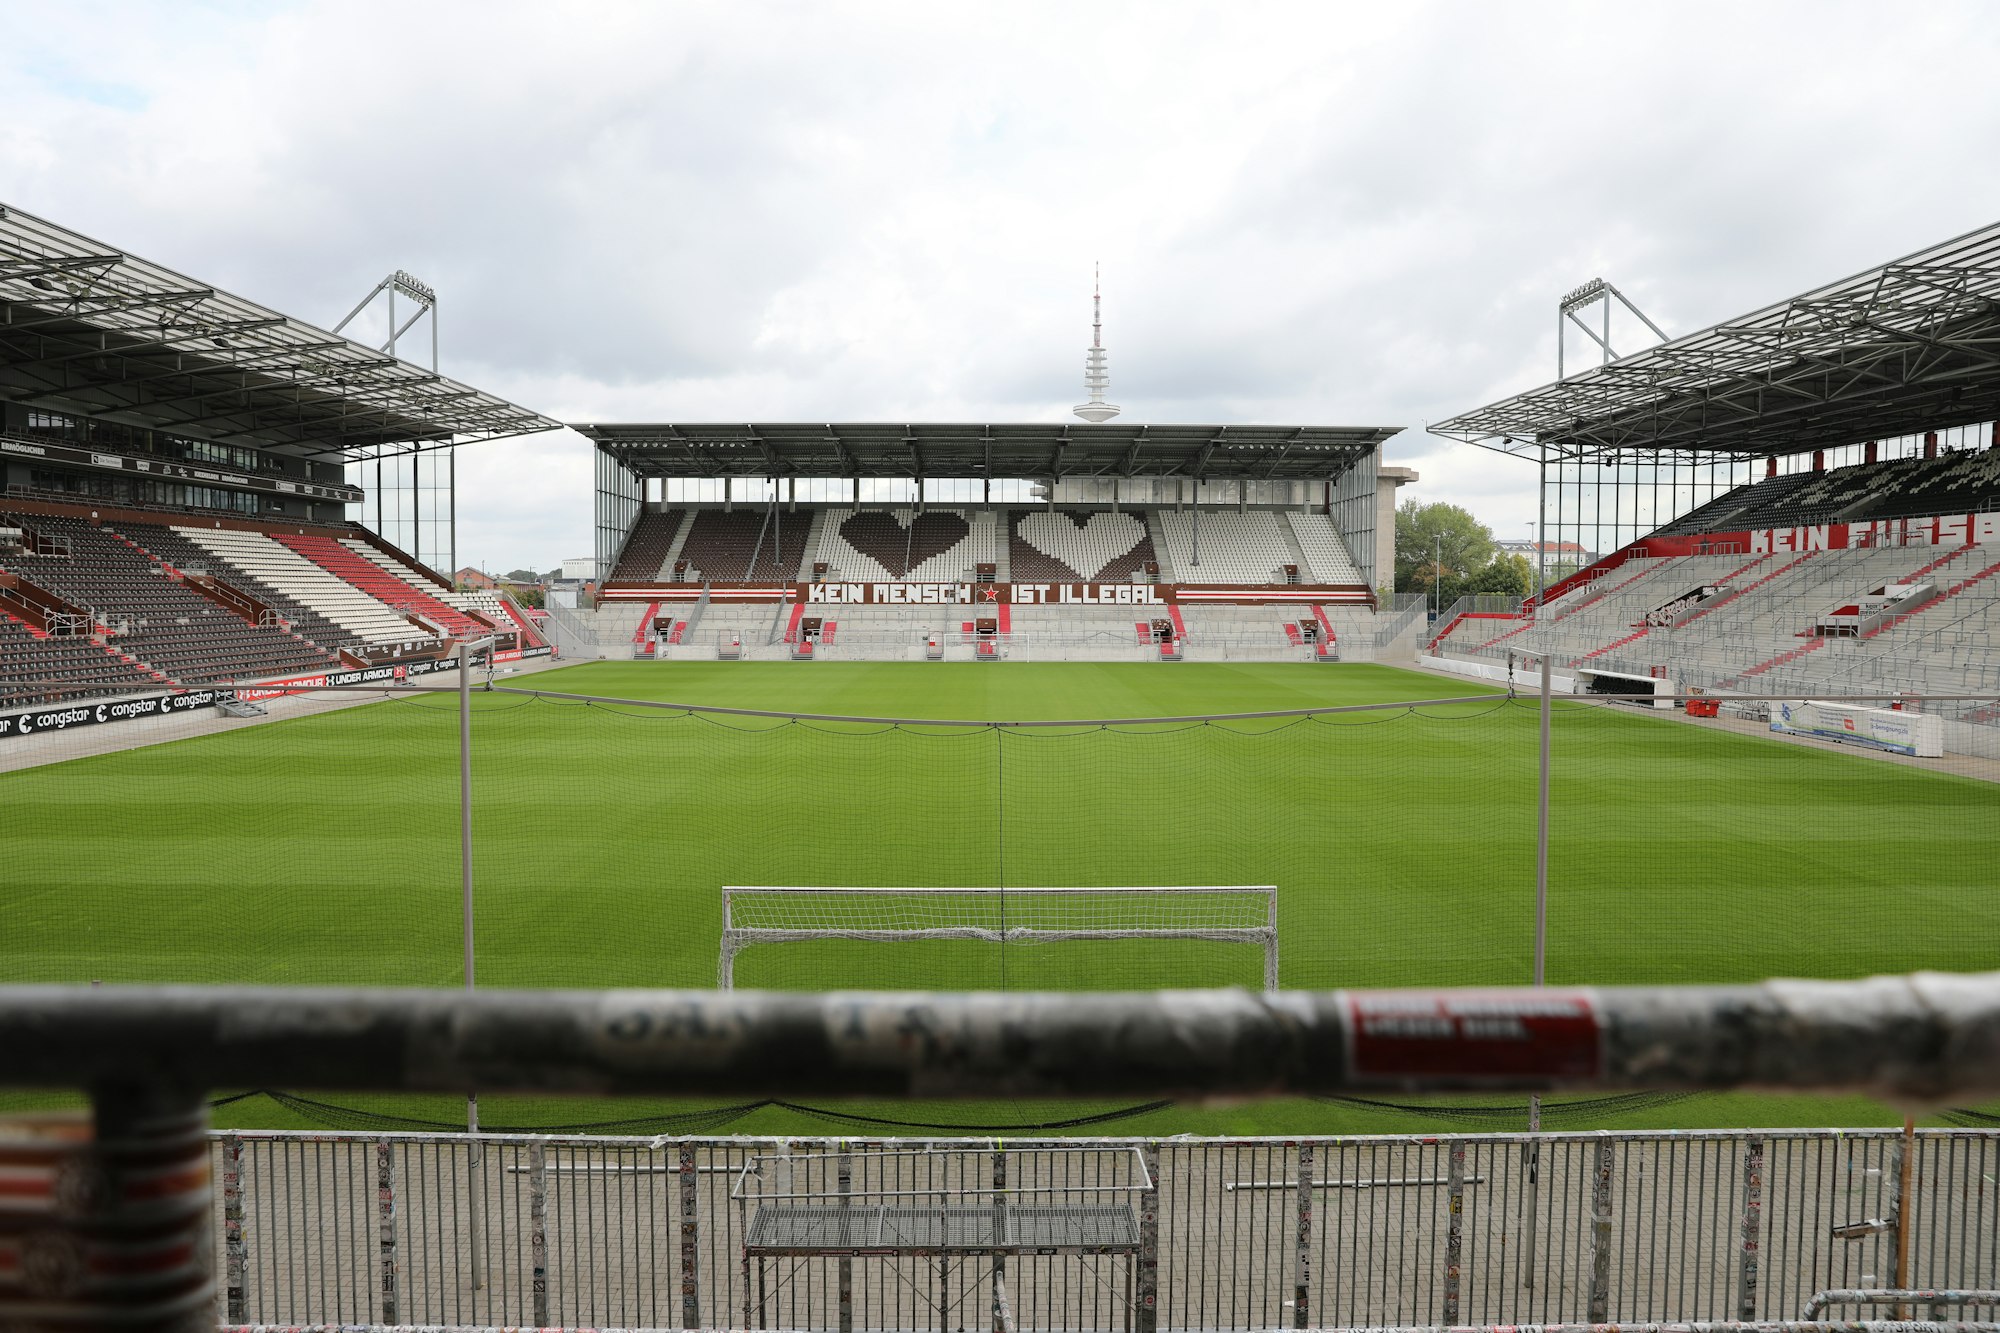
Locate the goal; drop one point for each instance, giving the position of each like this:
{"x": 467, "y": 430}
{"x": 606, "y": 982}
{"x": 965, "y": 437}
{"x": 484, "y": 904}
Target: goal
{"x": 1239, "y": 915}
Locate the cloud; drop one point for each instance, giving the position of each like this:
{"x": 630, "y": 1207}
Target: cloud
{"x": 1313, "y": 213}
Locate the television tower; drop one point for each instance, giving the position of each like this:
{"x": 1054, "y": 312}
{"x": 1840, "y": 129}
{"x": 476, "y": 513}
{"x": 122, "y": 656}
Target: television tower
{"x": 1096, "y": 379}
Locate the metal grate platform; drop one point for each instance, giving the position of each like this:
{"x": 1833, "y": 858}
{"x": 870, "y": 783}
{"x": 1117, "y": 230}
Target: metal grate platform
{"x": 892, "y": 1229}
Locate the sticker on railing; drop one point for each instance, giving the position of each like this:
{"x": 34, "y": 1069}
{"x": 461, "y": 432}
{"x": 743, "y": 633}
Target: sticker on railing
{"x": 1473, "y": 1035}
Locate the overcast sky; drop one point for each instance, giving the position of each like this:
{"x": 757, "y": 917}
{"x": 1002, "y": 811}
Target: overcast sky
{"x": 1319, "y": 214}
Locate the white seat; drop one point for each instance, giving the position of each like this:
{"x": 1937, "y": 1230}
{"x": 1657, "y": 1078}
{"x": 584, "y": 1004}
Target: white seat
{"x": 370, "y": 620}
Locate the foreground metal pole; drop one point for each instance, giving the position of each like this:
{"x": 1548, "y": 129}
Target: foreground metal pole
{"x": 385, "y": 1230}
{"x": 1003, "y": 1318}
{"x": 1750, "y": 1247}
{"x": 1929, "y": 1038}
{"x": 1542, "y": 842}
{"x": 1533, "y": 1151}
{"x": 1905, "y": 1168}
{"x": 1146, "y": 1298}
{"x": 1816, "y": 1307}
{"x": 1302, "y": 1238}
{"x": 110, "y": 1225}
{"x": 465, "y": 840}
{"x": 475, "y": 1163}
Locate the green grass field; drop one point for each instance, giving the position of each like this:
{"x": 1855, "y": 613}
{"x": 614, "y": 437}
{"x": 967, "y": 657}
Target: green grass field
{"x": 324, "y": 850}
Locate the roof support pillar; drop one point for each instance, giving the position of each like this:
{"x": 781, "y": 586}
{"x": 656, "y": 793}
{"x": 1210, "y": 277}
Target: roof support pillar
{"x": 1930, "y": 444}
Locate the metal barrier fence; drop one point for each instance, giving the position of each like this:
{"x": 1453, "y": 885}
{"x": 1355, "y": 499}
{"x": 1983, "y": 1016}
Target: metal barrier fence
{"x": 1250, "y": 1234}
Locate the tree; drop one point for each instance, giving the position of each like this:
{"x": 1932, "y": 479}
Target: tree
{"x": 528, "y": 596}
{"x": 1506, "y": 576}
{"x": 1438, "y": 542}
{"x": 522, "y": 576}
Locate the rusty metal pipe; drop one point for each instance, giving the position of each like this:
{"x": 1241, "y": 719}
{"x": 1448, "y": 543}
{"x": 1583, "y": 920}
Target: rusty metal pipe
{"x": 1919, "y": 1039}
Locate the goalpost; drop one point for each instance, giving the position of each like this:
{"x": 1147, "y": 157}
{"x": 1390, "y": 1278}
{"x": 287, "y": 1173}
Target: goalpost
{"x": 1235, "y": 914}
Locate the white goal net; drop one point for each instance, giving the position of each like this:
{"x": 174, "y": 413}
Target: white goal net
{"x": 1125, "y": 938}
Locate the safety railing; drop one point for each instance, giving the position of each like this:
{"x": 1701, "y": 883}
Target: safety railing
{"x": 1523, "y": 1228}
{"x": 1246, "y": 1234}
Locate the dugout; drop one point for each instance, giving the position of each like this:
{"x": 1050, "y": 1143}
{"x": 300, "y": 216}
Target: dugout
{"x": 1646, "y": 691}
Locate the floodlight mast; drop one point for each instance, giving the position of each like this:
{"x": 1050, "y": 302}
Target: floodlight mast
{"x": 425, "y": 298}
{"x": 1600, "y": 293}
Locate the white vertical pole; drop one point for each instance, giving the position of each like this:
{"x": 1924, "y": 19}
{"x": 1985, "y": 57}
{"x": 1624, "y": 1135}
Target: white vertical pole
{"x": 465, "y": 837}
{"x": 1542, "y": 790}
{"x": 1534, "y": 1149}
{"x": 475, "y": 1165}
{"x": 1542, "y": 844}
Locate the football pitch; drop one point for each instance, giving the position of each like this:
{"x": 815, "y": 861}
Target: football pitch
{"x": 324, "y": 850}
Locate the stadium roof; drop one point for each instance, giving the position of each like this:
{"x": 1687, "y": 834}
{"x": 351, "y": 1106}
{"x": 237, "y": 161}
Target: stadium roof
{"x": 1910, "y": 346}
{"x": 87, "y": 328}
{"x": 1022, "y": 450}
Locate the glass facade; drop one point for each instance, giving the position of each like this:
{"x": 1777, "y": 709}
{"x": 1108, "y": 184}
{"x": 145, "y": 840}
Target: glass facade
{"x": 118, "y": 490}
{"x": 619, "y": 494}
{"x": 136, "y": 440}
{"x": 1355, "y": 512}
{"x": 1602, "y": 505}
{"x": 411, "y": 503}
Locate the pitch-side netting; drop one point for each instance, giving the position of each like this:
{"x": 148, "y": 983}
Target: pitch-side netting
{"x": 323, "y": 846}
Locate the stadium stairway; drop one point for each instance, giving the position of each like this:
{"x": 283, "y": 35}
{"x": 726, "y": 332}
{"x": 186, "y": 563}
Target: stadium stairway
{"x": 481, "y": 607}
{"x": 175, "y": 551}
{"x": 1950, "y": 592}
{"x": 642, "y": 642}
{"x": 722, "y": 546}
{"x": 361, "y": 619}
{"x": 1157, "y": 535}
{"x": 649, "y": 552}
{"x": 1727, "y": 579}
{"x": 531, "y": 636}
{"x": 1594, "y": 600}
{"x": 340, "y": 560}
{"x": 1817, "y": 643}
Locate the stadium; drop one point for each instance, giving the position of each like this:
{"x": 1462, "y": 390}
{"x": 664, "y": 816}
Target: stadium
{"x": 982, "y": 823}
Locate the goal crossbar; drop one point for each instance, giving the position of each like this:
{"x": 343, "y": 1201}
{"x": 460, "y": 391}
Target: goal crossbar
{"x": 771, "y": 914}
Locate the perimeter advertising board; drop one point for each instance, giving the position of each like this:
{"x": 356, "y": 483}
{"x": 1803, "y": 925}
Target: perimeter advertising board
{"x": 1918, "y": 734}
{"x": 68, "y": 717}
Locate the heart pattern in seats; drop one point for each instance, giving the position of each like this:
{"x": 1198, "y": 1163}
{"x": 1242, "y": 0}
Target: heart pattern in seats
{"x": 1085, "y": 547}
{"x": 885, "y": 538}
